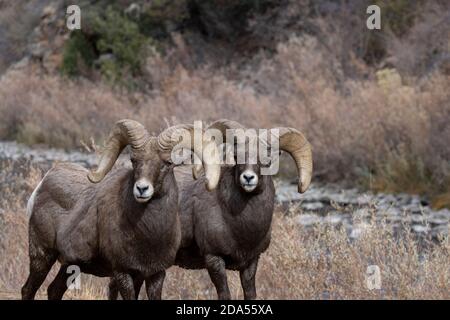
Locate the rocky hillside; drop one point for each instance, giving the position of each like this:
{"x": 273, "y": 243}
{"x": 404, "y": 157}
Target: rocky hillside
{"x": 116, "y": 33}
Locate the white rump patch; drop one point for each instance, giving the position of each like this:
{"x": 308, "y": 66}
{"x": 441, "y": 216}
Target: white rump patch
{"x": 30, "y": 203}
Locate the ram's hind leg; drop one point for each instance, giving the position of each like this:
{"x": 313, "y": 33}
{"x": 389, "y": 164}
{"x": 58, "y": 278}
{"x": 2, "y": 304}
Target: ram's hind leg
{"x": 58, "y": 287}
{"x": 40, "y": 264}
{"x": 113, "y": 290}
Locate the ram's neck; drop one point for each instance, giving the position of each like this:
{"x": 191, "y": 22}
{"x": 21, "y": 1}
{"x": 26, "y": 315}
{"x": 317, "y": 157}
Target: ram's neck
{"x": 237, "y": 202}
{"x": 158, "y": 216}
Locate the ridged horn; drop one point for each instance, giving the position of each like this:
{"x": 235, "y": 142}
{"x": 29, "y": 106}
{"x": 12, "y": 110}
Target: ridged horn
{"x": 125, "y": 132}
{"x": 222, "y": 125}
{"x": 182, "y": 136}
{"x": 295, "y": 143}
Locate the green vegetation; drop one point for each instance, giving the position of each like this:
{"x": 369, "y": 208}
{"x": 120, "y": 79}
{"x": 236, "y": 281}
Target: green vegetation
{"x": 113, "y": 43}
{"x": 121, "y": 37}
{"x": 398, "y": 15}
{"x": 78, "y": 52}
{"x": 162, "y": 17}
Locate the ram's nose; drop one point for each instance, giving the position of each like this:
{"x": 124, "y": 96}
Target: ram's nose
{"x": 248, "y": 177}
{"x": 143, "y": 190}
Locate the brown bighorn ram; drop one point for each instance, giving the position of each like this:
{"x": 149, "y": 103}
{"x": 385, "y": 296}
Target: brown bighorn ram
{"x": 230, "y": 227}
{"x": 121, "y": 223}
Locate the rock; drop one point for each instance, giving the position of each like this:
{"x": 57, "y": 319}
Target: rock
{"x": 392, "y": 219}
{"x": 23, "y": 63}
{"x": 387, "y": 200}
{"x": 333, "y": 219}
{"x": 403, "y": 199}
{"x": 438, "y": 219}
{"x": 418, "y": 228}
{"x": 413, "y": 208}
{"x": 361, "y": 213}
{"x": 48, "y": 11}
{"x": 37, "y": 50}
{"x": 311, "y": 206}
{"x": 358, "y": 230}
{"x": 308, "y": 219}
{"x": 14, "y": 151}
{"x": 444, "y": 213}
{"x": 392, "y": 211}
{"x": 418, "y": 218}
{"x": 133, "y": 10}
{"x": 364, "y": 199}
{"x": 440, "y": 231}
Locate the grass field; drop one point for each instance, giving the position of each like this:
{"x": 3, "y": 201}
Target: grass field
{"x": 318, "y": 263}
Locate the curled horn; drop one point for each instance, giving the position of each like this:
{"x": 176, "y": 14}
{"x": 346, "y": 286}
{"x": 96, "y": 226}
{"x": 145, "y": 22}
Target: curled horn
{"x": 222, "y": 125}
{"x": 182, "y": 136}
{"x": 125, "y": 132}
{"x": 295, "y": 143}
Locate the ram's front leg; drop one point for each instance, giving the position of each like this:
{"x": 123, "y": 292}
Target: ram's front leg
{"x": 154, "y": 285}
{"x": 113, "y": 289}
{"x": 248, "y": 276}
{"x": 218, "y": 274}
{"x": 125, "y": 284}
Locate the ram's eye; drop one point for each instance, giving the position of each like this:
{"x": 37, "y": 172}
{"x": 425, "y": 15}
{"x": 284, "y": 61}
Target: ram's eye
{"x": 133, "y": 161}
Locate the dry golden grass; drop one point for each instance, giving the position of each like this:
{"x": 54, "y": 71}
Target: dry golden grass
{"x": 300, "y": 264}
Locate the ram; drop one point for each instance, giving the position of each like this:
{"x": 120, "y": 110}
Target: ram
{"x": 230, "y": 227}
{"x": 121, "y": 223}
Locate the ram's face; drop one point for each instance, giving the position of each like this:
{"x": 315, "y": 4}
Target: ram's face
{"x": 149, "y": 172}
{"x": 248, "y": 176}
{"x": 247, "y": 169}
{"x": 250, "y": 165}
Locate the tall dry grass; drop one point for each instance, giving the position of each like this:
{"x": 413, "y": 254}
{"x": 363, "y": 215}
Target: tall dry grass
{"x": 318, "y": 263}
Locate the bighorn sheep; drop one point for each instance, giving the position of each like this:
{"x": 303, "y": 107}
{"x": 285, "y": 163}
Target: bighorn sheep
{"x": 230, "y": 227}
{"x": 122, "y": 224}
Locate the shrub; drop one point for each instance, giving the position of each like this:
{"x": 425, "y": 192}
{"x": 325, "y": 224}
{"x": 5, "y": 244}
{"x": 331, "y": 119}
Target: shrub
{"x": 109, "y": 40}
{"x": 120, "y": 36}
{"x": 159, "y": 18}
{"x": 78, "y": 52}
{"x": 399, "y": 15}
